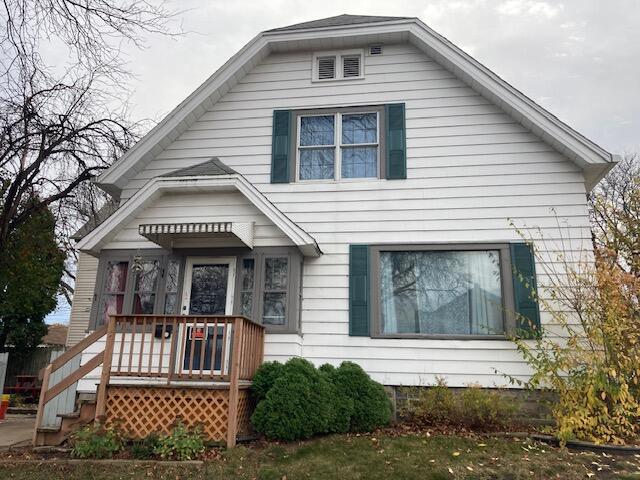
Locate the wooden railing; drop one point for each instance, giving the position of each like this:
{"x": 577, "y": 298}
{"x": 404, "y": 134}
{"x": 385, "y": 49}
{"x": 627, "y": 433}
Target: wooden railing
{"x": 175, "y": 348}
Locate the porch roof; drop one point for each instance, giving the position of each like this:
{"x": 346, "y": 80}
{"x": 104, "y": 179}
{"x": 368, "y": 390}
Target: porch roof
{"x": 164, "y": 234}
{"x": 212, "y": 175}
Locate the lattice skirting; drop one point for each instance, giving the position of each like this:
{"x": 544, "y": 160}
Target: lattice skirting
{"x": 140, "y": 411}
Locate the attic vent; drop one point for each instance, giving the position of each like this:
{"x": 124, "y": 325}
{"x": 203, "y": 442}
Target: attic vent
{"x": 326, "y": 68}
{"x": 351, "y": 66}
{"x": 375, "y": 49}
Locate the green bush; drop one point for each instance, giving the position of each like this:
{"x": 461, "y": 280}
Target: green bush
{"x": 304, "y": 401}
{"x": 182, "y": 444}
{"x": 95, "y": 441}
{"x": 298, "y": 405}
{"x": 341, "y": 402}
{"x": 264, "y": 378}
{"x": 371, "y": 406}
{"x": 145, "y": 448}
{"x": 472, "y": 407}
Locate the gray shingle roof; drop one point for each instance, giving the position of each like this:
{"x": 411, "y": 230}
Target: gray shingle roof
{"x": 98, "y": 217}
{"x": 337, "y": 21}
{"x": 213, "y": 166}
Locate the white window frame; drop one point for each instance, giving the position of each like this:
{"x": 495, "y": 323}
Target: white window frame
{"x": 337, "y": 146}
{"x": 339, "y": 66}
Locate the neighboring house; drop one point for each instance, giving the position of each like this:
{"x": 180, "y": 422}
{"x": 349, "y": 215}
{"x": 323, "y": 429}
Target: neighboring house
{"x": 348, "y": 184}
{"x": 23, "y": 373}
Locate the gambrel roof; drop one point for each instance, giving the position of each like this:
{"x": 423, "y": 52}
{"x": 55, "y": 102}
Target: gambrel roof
{"x": 349, "y": 31}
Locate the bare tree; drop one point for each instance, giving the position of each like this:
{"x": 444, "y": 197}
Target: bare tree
{"x": 63, "y": 119}
{"x": 615, "y": 215}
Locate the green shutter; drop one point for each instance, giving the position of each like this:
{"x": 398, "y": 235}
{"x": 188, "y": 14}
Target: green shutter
{"x": 280, "y": 146}
{"x": 396, "y": 167}
{"x": 525, "y": 290}
{"x": 359, "y": 290}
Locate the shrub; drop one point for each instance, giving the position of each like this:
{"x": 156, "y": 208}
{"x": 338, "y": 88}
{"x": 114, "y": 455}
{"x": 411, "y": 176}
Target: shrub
{"x": 482, "y": 408}
{"x": 298, "y": 405}
{"x": 145, "y": 448}
{"x": 264, "y": 378}
{"x": 427, "y": 406}
{"x": 595, "y": 370}
{"x": 371, "y": 406}
{"x": 472, "y": 407}
{"x": 182, "y": 444}
{"x": 304, "y": 401}
{"x": 341, "y": 403}
{"x": 95, "y": 441}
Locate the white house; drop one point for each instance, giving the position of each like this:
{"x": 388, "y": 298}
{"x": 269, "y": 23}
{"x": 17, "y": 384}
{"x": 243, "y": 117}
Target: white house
{"x": 347, "y": 183}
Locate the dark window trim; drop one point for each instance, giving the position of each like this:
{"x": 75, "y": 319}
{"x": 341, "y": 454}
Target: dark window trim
{"x": 508, "y": 300}
{"x": 382, "y": 133}
{"x": 294, "y": 292}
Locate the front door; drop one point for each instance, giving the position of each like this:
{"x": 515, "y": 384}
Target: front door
{"x": 208, "y": 290}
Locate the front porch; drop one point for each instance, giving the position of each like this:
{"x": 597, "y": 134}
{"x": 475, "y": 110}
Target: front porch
{"x": 156, "y": 369}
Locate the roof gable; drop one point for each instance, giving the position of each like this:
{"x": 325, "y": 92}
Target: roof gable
{"x": 337, "y": 21}
{"x": 334, "y": 33}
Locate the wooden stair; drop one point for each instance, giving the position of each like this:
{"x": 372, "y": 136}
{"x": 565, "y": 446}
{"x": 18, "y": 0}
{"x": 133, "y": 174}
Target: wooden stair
{"x": 84, "y": 414}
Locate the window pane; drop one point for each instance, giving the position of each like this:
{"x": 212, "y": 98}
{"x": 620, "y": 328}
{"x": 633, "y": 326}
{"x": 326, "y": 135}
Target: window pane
{"x": 317, "y": 130}
{"x": 448, "y": 292}
{"x": 248, "y": 266}
{"x": 172, "y": 276}
{"x": 359, "y": 128}
{"x": 317, "y": 164}
{"x": 359, "y": 162}
{"x": 171, "y": 303}
{"x": 147, "y": 276}
{"x": 246, "y": 304}
{"x": 274, "y": 308}
{"x": 209, "y": 289}
{"x": 112, "y": 305}
{"x": 275, "y": 273}
{"x": 144, "y": 302}
{"x": 116, "y": 276}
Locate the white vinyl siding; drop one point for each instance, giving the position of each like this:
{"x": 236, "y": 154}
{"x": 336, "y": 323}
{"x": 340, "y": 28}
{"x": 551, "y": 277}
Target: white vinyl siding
{"x": 470, "y": 168}
{"x": 86, "y": 271}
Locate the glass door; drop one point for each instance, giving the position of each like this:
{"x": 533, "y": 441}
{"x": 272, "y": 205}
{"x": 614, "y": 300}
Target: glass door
{"x": 208, "y": 290}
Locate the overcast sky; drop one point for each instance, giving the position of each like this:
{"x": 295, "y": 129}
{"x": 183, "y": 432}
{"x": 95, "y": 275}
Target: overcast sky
{"x": 580, "y": 59}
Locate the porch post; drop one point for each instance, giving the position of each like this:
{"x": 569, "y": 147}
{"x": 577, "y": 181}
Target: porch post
{"x": 101, "y": 400}
{"x": 234, "y": 376}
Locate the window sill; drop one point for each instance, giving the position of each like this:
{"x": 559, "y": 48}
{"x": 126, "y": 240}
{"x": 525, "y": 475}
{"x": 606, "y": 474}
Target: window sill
{"x": 438, "y": 336}
{"x": 336, "y": 80}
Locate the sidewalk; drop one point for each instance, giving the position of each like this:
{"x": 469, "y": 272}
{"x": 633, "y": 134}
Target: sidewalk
{"x": 16, "y": 430}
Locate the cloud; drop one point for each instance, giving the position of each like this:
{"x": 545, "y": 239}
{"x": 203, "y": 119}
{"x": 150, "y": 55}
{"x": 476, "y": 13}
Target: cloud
{"x": 529, "y": 7}
{"x": 577, "y": 58}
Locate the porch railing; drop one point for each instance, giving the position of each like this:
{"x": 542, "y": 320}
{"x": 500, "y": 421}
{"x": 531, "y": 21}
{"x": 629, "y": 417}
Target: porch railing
{"x": 176, "y": 348}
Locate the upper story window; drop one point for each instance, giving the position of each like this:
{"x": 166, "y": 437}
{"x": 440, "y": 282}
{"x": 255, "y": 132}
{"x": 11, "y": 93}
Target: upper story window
{"x": 338, "y": 65}
{"x": 338, "y": 145}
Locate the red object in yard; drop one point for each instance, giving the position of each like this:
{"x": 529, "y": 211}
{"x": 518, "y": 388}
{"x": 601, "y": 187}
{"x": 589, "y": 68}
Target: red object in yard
{"x": 3, "y": 406}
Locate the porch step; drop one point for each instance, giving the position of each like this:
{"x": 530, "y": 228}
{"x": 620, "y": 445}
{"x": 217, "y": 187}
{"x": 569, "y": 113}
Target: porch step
{"x": 54, "y": 436}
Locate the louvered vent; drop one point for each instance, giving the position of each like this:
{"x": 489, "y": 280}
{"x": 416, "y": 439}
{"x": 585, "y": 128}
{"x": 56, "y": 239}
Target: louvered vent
{"x": 375, "y": 49}
{"x": 351, "y": 66}
{"x": 326, "y": 68}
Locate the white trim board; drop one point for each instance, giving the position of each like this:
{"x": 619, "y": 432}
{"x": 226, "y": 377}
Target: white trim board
{"x": 156, "y": 187}
{"x": 594, "y": 160}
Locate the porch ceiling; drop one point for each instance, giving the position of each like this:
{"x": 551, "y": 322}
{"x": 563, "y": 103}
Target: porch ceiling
{"x": 166, "y": 234}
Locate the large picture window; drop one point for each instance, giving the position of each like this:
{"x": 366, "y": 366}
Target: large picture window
{"x": 440, "y": 290}
{"x": 338, "y": 145}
